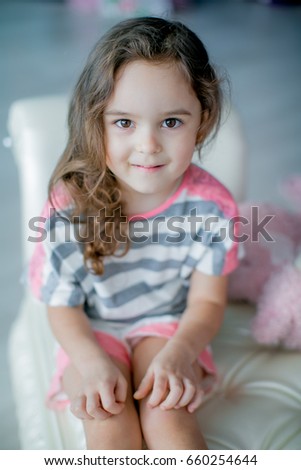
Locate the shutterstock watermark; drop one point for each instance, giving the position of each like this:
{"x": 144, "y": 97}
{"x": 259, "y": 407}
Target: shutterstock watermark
{"x": 174, "y": 229}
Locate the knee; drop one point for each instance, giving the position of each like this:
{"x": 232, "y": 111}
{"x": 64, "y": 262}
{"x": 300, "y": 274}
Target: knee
{"x": 119, "y": 432}
{"x": 155, "y": 421}
{"x": 163, "y": 428}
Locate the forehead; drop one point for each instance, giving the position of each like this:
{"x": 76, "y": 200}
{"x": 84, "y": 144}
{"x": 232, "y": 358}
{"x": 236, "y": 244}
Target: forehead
{"x": 145, "y": 85}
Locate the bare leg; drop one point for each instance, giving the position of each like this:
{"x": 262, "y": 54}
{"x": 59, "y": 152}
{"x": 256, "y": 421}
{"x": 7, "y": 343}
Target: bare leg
{"x": 170, "y": 429}
{"x": 117, "y": 432}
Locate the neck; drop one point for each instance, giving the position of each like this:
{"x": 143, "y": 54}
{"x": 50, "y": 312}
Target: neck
{"x": 134, "y": 203}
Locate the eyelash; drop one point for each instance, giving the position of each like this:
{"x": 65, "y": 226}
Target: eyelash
{"x": 119, "y": 121}
{"x": 179, "y": 122}
{"x": 123, "y": 120}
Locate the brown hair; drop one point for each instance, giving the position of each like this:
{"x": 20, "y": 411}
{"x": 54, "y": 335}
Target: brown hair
{"x": 82, "y": 167}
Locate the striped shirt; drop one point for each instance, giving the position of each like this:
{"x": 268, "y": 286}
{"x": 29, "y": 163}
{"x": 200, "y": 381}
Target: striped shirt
{"x": 193, "y": 229}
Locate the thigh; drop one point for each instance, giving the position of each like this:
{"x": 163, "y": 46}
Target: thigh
{"x": 143, "y": 354}
{"x": 111, "y": 433}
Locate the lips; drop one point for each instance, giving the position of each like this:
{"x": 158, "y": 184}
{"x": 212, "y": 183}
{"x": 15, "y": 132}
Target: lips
{"x": 148, "y": 168}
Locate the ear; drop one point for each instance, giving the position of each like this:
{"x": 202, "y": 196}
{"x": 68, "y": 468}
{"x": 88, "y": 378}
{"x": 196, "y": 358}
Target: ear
{"x": 202, "y": 130}
{"x": 199, "y": 135}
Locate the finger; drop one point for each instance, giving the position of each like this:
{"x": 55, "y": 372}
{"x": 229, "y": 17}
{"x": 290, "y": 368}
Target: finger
{"x": 197, "y": 401}
{"x": 121, "y": 390}
{"x": 145, "y": 386}
{"x": 188, "y": 395}
{"x": 94, "y": 407}
{"x": 175, "y": 394}
{"x": 158, "y": 394}
{"x": 108, "y": 400}
{"x": 78, "y": 407}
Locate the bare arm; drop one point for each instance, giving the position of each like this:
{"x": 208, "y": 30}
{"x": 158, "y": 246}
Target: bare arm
{"x": 204, "y": 313}
{"x": 71, "y": 328}
{"x": 173, "y": 368}
{"x": 103, "y": 390}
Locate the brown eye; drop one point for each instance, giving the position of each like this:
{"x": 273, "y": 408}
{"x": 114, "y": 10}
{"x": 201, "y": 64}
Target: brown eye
{"x": 171, "y": 123}
{"x": 124, "y": 123}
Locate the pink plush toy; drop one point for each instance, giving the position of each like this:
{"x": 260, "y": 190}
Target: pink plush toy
{"x": 269, "y": 275}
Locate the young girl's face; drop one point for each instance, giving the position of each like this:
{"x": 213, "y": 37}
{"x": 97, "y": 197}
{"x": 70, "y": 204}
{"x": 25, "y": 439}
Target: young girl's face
{"x": 151, "y": 124}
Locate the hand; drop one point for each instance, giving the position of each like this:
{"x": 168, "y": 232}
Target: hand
{"x": 102, "y": 392}
{"x": 172, "y": 380}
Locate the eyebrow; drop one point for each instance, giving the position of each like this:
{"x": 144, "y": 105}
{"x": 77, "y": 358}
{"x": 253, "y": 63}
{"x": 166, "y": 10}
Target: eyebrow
{"x": 175, "y": 112}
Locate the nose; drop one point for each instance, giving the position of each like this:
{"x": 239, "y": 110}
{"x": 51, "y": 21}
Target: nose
{"x": 148, "y": 142}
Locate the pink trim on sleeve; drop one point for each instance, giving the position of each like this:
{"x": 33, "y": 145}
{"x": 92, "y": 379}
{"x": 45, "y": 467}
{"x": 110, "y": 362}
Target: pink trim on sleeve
{"x": 61, "y": 200}
{"x": 207, "y": 187}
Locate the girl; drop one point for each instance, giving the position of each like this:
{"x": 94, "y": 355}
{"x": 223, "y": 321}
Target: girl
{"x": 134, "y": 265}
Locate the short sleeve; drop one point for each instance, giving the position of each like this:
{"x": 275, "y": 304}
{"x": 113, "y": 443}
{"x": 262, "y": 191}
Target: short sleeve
{"x": 214, "y": 249}
{"x": 52, "y": 269}
{"x": 220, "y": 252}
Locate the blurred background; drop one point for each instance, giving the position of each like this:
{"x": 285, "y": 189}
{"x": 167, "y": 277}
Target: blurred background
{"x": 43, "y": 47}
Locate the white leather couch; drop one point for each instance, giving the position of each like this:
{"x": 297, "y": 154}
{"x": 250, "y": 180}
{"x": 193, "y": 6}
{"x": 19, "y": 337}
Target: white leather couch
{"x": 257, "y": 404}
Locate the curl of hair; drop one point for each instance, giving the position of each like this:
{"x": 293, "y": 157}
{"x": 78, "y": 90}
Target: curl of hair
{"x": 82, "y": 167}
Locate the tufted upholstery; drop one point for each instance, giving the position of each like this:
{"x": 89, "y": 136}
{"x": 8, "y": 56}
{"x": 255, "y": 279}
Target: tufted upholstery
{"x": 257, "y": 403}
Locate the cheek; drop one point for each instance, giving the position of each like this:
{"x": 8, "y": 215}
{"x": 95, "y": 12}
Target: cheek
{"x": 117, "y": 156}
{"x": 184, "y": 149}
{"x": 116, "y": 143}
{"x": 112, "y": 148}
{"x": 110, "y": 156}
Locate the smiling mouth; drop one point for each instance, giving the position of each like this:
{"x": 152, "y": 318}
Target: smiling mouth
{"x": 148, "y": 169}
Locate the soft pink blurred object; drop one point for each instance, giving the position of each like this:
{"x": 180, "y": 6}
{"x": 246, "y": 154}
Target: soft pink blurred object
{"x": 278, "y": 318}
{"x": 270, "y": 273}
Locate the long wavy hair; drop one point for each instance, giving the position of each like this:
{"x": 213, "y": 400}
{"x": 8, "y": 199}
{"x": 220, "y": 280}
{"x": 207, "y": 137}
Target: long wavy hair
{"x": 82, "y": 167}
